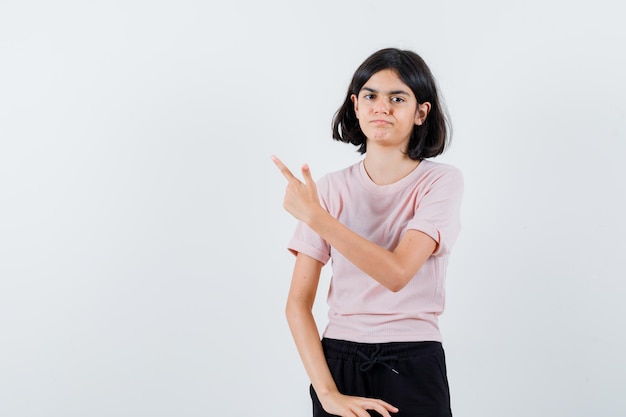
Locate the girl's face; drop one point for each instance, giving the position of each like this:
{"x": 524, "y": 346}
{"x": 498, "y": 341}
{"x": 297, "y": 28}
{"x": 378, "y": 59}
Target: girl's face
{"x": 388, "y": 110}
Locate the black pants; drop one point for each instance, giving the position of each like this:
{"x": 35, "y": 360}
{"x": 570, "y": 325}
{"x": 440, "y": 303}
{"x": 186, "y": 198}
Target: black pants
{"x": 410, "y": 376}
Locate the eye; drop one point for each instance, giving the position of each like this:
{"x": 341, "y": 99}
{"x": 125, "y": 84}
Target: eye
{"x": 397, "y": 100}
{"x": 368, "y": 96}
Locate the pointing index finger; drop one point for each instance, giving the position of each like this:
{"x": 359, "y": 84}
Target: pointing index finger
{"x": 283, "y": 168}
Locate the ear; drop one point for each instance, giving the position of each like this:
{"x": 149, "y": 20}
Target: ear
{"x": 355, "y": 102}
{"x": 422, "y": 113}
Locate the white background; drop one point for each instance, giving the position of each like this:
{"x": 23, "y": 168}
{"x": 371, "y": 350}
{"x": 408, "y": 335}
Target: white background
{"x": 143, "y": 269}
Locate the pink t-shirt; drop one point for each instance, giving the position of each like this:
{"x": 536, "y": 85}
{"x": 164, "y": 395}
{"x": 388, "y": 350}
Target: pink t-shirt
{"x": 361, "y": 309}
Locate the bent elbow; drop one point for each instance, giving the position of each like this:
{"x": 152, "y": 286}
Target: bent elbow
{"x": 398, "y": 281}
{"x": 396, "y": 287}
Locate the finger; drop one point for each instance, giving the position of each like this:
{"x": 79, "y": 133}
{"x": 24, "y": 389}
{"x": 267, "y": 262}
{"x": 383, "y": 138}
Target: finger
{"x": 388, "y": 406}
{"x": 283, "y": 168}
{"x": 384, "y": 408}
{"x": 360, "y": 411}
{"x": 306, "y": 173}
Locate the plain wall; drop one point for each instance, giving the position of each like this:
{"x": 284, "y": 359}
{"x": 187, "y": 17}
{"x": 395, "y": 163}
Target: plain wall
{"x": 143, "y": 268}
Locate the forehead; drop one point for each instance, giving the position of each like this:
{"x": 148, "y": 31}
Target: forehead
{"x": 387, "y": 80}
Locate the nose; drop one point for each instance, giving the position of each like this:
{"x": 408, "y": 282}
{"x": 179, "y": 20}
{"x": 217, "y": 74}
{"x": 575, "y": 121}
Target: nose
{"x": 381, "y": 106}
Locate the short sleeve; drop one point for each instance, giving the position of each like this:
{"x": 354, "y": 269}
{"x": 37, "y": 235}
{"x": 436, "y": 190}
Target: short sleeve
{"x": 308, "y": 242}
{"x": 438, "y": 211}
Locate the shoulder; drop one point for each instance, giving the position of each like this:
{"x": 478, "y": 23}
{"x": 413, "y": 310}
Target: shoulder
{"x": 440, "y": 170}
{"x": 441, "y": 177}
{"x": 335, "y": 187}
{"x": 340, "y": 177}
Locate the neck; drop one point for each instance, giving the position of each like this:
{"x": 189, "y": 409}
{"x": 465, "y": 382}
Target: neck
{"x": 388, "y": 167}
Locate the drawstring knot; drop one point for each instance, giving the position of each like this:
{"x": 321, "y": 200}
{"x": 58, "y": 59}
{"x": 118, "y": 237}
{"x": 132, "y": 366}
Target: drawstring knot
{"x": 370, "y": 361}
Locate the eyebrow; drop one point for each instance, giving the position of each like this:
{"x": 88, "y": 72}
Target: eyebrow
{"x": 394, "y": 92}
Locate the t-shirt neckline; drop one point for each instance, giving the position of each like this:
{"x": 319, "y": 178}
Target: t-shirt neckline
{"x": 370, "y": 185}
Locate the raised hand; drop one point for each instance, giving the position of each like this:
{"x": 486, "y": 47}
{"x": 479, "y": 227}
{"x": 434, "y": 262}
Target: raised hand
{"x": 301, "y": 199}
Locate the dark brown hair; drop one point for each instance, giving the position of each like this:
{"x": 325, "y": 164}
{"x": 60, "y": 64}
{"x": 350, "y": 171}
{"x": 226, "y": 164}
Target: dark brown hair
{"x": 427, "y": 140}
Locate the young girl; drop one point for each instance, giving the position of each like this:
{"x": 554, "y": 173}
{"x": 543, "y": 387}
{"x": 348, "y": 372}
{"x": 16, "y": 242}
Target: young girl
{"x": 388, "y": 223}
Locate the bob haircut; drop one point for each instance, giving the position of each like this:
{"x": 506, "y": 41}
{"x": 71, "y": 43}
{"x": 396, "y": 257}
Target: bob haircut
{"x": 428, "y": 140}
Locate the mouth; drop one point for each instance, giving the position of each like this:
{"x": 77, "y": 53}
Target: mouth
{"x": 380, "y": 122}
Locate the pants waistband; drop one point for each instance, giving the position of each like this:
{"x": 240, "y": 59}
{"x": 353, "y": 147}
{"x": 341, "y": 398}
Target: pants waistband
{"x": 346, "y": 350}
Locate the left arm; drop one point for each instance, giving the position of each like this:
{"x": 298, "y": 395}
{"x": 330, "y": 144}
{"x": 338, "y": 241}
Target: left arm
{"x": 391, "y": 268}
